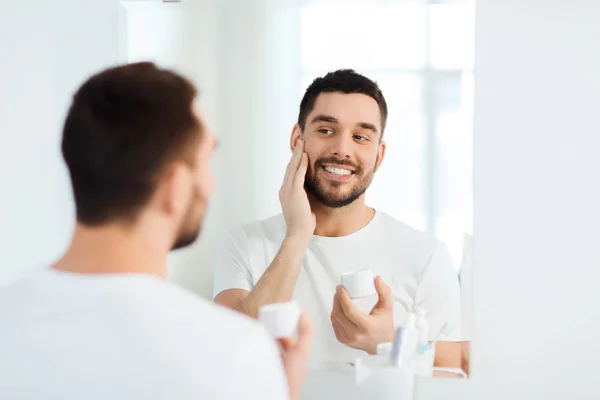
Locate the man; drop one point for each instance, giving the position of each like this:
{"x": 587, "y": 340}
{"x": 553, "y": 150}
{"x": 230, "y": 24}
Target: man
{"x": 102, "y": 322}
{"x": 327, "y": 229}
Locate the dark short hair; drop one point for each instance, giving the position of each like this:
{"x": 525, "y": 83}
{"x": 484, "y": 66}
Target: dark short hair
{"x": 342, "y": 81}
{"x": 124, "y": 126}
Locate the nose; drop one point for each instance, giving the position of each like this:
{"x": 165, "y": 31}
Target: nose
{"x": 341, "y": 146}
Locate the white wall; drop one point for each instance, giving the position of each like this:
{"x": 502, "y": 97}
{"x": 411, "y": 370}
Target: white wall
{"x": 151, "y": 30}
{"x": 537, "y": 197}
{"x": 46, "y": 49}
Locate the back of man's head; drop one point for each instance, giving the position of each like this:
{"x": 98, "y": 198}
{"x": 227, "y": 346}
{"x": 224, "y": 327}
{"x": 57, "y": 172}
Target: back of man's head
{"x": 124, "y": 126}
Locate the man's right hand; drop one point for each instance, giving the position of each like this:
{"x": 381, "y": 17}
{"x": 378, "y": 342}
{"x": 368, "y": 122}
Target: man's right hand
{"x": 299, "y": 219}
{"x": 277, "y": 283}
{"x": 296, "y": 356}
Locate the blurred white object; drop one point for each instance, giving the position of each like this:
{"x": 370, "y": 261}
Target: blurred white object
{"x": 422, "y": 362}
{"x": 280, "y": 319}
{"x": 379, "y": 380}
{"x": 456, "y": 371}
{"x": 398, "y": 347}
{"x": 422, "y": 326}
{"x": 412, "y": 338}
{"x": 359, "y": 284}
{"x": 384, "y": 349}
{"x": 466, "y": 278}
{"x": 371, "y": 377}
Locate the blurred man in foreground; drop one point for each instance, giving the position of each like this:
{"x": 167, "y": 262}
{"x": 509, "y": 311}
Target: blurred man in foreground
{"x": 103, "y": 322}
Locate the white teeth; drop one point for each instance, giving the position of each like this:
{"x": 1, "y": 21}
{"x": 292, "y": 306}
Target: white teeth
{"x": 337, "y": 171}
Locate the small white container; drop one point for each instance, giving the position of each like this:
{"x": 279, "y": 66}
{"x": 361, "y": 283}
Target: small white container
{"x": 359, "y": 284}
{"x": 280, "y": 319}
{"x": 412, "y": 338}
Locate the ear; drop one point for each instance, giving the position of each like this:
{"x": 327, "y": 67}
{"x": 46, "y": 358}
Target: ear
{"x": 380, "y": 155}
{"x": 175, "y": 189}
{"x": 296, "y": 134}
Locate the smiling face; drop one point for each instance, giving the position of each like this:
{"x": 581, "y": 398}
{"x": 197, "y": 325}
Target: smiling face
{"x": 342, "y": 136}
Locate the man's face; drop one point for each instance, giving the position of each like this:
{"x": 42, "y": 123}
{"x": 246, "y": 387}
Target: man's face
{"x": 342, "y": 139}
{"x": 202, "y": 190}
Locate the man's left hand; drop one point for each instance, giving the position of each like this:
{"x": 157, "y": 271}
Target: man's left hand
{"x": 357, "y": 329}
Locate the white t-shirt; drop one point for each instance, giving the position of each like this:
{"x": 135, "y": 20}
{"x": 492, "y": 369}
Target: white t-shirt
{"x": 417, "y": 267}
{"x": 128, "y": 336}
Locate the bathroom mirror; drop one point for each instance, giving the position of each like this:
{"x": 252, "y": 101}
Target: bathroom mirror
{"x": 253, "y": 61}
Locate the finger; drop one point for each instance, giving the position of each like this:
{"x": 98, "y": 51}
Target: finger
{"x": 337, "y": 332}
{"x": 294, "y": 163}
{"x": 340, "y": 332}
{"x": 301, "y": 172}
{"x": 339, "y": 320}
{"x": 349, "y": 309}
{"x": 338, "y": 312}
{"x": 384, "y": 293}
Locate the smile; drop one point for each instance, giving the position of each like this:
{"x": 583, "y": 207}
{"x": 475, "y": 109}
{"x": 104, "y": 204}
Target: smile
{"x": 337, "y": 173}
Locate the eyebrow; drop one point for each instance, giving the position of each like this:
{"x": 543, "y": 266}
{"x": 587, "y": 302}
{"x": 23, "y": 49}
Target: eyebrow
{"x": 368, "y": 126}
{"x": 324, "y": 118}
{"x": 333, "y": 120}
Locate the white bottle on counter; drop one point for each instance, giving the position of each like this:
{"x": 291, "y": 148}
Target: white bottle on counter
{"x": 424, "y": 357}
{"x": 423, "y": 327}
{"x": 412, "y": 339}
{"x": 411, "y": 343}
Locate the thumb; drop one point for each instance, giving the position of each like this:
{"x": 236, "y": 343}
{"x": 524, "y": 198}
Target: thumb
{"x": 305, "y": 334}
{"x": 305, "y": 331}
{"x": 384, "y": 293}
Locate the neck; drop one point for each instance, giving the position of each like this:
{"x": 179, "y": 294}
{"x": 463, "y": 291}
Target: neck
{"x": 113, "y": 249}
{"x": 335, "y": 222}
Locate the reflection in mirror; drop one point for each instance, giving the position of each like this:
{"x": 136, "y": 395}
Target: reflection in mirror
{"x": 290, "y": 234}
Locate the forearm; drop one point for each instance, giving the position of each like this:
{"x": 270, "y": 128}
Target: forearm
{"x": 278, "y": 282}
{"x": 448, "y": 354}
{"x": 466, "y": 349}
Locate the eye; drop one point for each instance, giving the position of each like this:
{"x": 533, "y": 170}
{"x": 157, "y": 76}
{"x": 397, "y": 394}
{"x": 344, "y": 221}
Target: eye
{"x": 360, "y": 138}
{"x": 325, "y": 131}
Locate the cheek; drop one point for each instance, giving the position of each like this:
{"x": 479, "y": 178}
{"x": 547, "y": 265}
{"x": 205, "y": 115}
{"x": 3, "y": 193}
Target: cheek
{"x": 313, "y": 152}
{"x": 368, "y": 160}
{"x": 206, "y": 184}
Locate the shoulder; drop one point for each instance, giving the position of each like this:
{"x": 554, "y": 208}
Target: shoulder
{"x": 404, "y": 235}
{"x": 213, "y": 338}
{"x": 190, "y": 308}
{"x": 269, "y": 229}
{"x": 202, "y": 318}
{"x": 227, "y": 325}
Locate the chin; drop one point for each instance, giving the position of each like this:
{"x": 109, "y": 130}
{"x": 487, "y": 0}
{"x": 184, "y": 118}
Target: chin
{"x": 337, "y": 201}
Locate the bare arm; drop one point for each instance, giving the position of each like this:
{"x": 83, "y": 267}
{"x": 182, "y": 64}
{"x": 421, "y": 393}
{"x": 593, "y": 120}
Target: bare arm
{"x": 278, "y": 282}
{"x": 448, "y": 354}
{"x": 275, "y": 286}
{"x": 465, "y": 360}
